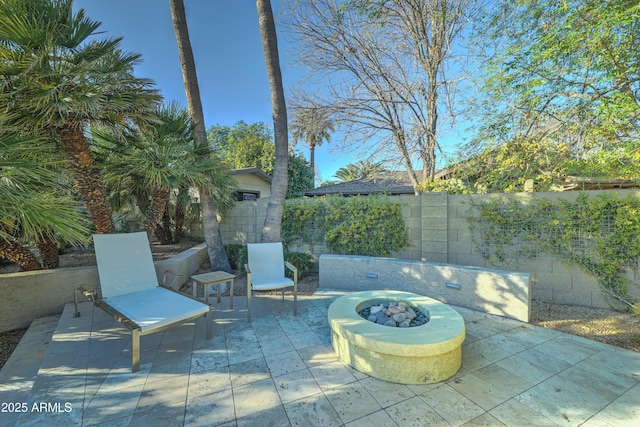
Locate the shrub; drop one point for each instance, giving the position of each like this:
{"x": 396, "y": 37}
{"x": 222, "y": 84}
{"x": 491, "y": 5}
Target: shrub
{"x": 237, "y": 255}
{"x": 303, "y": 261}
{"x": 371, "y": 226}
{"x": 599, "y": 234}
{"x": 366, "y": 225}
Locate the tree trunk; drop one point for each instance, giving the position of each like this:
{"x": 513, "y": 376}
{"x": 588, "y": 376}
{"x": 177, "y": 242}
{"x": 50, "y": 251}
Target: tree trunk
{"x": 312, "y": 163}
{"x": 166, "y": 224}
{"x": 87, "y": 178}
{"x": 12, "y": 250}
{"x": 401, "y": 143}
{"x": 179, "y": 215}
{"x": 49, "y": 254}
{"x": 160, "y": 236}
{"x": 280, "y": 180}
{"x": 210, "y": 225}
{"x": 156, "y": 210}
{"x": 429, "y": 154}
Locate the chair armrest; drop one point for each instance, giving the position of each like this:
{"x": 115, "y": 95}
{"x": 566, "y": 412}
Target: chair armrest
{"x": 246, "y": 267}
{"x": 294, "y": 269}
{"x": 175, "y": 278}
{"x": 90, "y": 294}
{"x": 291, "y": 267}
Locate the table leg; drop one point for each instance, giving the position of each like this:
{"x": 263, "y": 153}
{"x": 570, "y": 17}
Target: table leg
{"x": 205, "y": 290}
{"x": 218, "y": 285}
{"x": 231, "y": 295}
{"x": 195, "y": 288}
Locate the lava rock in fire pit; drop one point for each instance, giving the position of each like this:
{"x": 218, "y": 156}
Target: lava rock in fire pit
{"x": 394, "y": 313}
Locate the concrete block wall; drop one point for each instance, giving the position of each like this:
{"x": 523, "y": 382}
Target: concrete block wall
{"x": 435, "y": 225}
{"x": 439, "y": 228}
{"x": 33, "y": 294}
{"x": 244, "y": 223}
{"x": 551, "y": 280}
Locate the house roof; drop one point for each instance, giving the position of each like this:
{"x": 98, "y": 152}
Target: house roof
{"x": 248, "y": 171}
{"x": 573, "y": 183}
{"x": 385, "y": 183}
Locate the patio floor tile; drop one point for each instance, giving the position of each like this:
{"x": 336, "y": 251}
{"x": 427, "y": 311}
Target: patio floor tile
{"x": 314, "y": 410}
{"x": 331, "y": 375}
{"x": 280, "y": 370}
{"x": 296, "y": 385}
{"x": 385, "y": 393}
{"x": 452, "y": 405}
{"x": 211, "y": 409}
{"x": 352, "y": 401}
{"x": 415, "y": 411}
{"x": 255, "y": 397}
{"x": 479, "y": 391}
{"x": 515, "y": 413}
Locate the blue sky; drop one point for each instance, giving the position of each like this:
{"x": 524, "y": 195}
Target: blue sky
{"x": 228, "y": 54}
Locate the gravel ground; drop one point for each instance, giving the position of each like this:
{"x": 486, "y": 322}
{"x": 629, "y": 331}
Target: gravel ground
{"x": 608, "y": 326}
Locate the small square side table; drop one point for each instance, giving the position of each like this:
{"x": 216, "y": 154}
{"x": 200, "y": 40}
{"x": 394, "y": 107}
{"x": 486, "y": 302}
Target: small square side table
{"x": 213, "y": 278}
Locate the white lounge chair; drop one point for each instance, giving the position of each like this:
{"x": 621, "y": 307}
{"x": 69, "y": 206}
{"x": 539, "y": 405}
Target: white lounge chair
{"x": 130, "y": 290}
{"x": 265, "y": 272}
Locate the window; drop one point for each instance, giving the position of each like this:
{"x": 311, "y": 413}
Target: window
{"x": 242, "y": 195}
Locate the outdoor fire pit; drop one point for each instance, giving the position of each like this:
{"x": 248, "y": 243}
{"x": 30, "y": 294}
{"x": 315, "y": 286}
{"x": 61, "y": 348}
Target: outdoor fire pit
{"x": 423, "y": 354}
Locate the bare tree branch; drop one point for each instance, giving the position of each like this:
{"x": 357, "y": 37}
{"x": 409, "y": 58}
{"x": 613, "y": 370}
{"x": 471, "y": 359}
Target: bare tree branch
{"x": 384, "y": 73}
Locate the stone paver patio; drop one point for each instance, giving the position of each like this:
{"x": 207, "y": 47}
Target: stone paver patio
{"x": 281, "y": 371}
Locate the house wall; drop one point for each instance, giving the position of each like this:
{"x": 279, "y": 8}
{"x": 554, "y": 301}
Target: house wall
{"x": 439, "y": 230}
{"x": 254, "y": 183}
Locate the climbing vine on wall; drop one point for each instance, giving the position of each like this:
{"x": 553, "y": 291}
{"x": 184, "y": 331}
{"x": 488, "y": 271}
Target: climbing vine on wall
{"x": 599, "y": 234}
{"x": 372, "y": 226}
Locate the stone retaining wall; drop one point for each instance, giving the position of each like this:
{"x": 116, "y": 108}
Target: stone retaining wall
{"x": 33, "y": 294}
{"x": 499, "y": 292}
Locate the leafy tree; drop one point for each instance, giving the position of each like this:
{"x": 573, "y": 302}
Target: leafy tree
{"x": 251, "y": 145}
{"x": 56, "y": 79}
{"x": 210, "y": 224}
{"x": 567, "y": 72}
{"x": 36, "y": 208}
{"x": 244, "y": 145}
{"x": 153, "y": 161}
{"x": 328, "y": 183}
{"x": 273, "y": 221}
{"x": 360, "y": 169}
{"x": 313, "y": 126}
{"x": 505, "y": 168}
{"x": 300, "y": 176}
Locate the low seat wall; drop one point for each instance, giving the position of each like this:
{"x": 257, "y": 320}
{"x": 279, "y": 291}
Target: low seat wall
{"x": 499, "y": 292}
{"x": 32, "y": 294}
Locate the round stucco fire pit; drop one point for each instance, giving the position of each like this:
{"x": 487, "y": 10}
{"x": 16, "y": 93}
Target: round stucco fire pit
{"x": 419, "y": 355}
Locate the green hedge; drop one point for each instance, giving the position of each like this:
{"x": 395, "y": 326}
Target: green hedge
{"x": 237, "y": 254}
{"x": 366, "y": 225}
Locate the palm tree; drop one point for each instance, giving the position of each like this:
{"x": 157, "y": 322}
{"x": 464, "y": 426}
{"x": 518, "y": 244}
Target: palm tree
{"x": 312, "y": 126}
{"x": 210, "y": 224}
{"x": 35, "y": 208}
{"x": 160, "y": 158}
{"x": 360, "y": 169}
{"x": 280, "y": 180}
{"x": 55, "y": 80}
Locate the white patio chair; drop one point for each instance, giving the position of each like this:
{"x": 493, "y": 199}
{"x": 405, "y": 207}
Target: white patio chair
{"x": 130, "y": 290}
{"x": 265, "y": 272}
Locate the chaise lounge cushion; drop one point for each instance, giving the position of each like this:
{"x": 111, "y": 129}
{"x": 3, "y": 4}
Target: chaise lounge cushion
{"x": 155, "y": 308}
